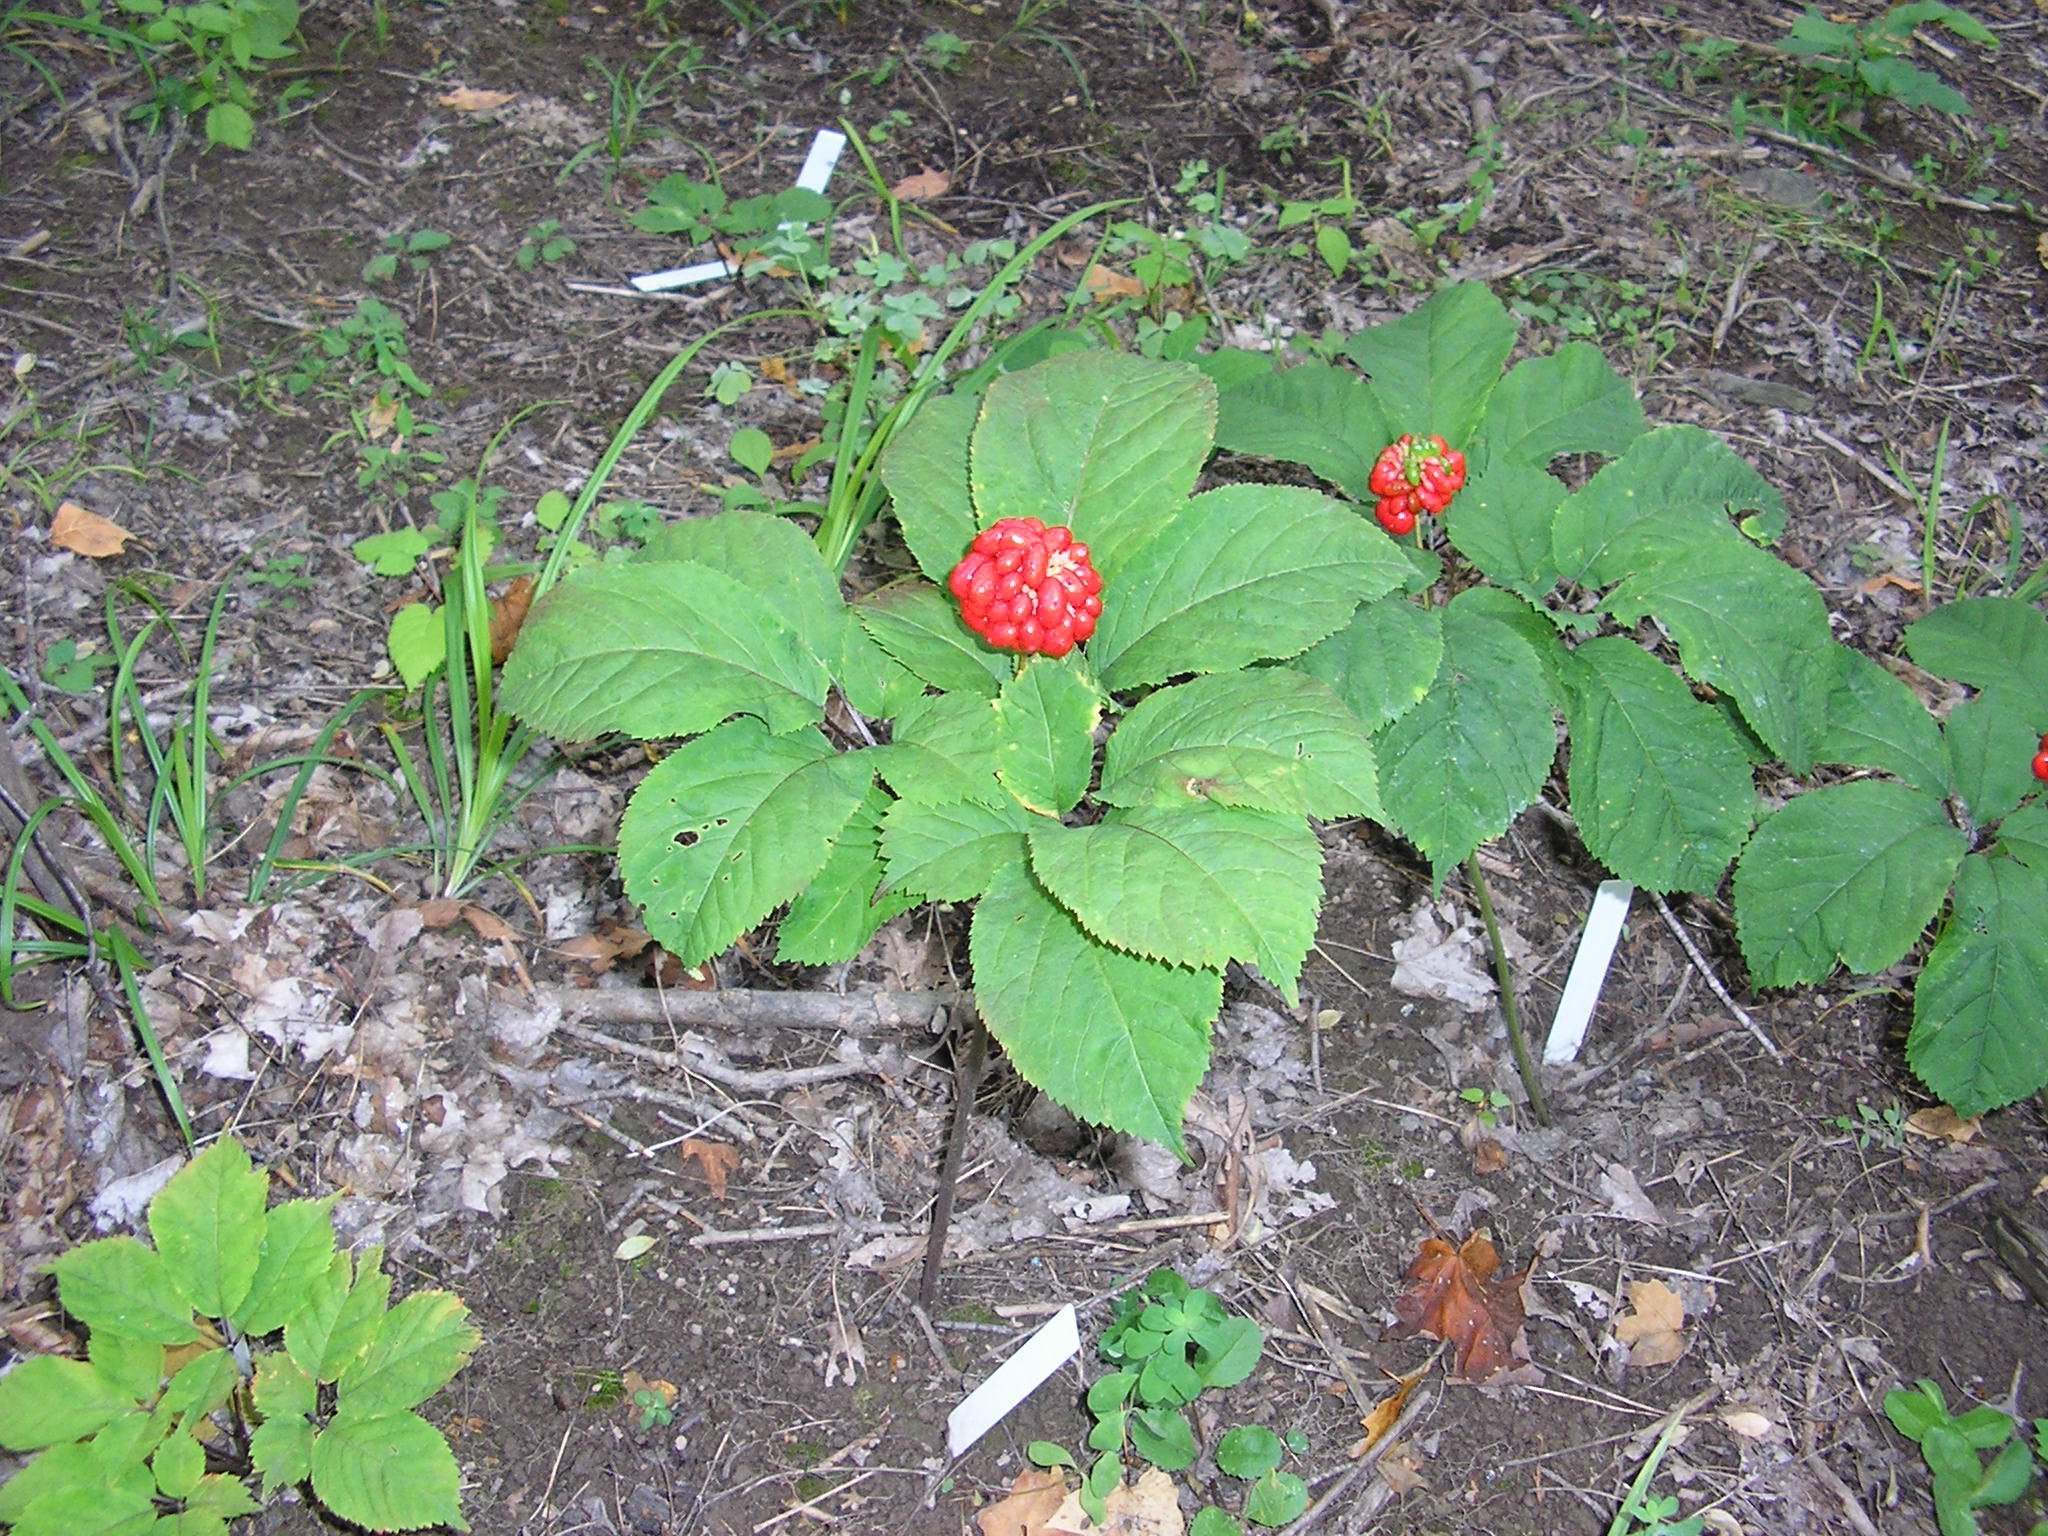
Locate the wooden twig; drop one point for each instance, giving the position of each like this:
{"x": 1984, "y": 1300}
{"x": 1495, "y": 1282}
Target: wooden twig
{"x": 966, "y": 1082}
{"x": 1706, "y": 970}
{"x": 884, "y": 1011}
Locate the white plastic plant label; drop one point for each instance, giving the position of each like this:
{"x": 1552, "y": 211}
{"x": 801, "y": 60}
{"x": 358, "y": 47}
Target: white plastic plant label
{"x": 814, "y": 177}
{"x": 1014, "y": 1380}
{"x": 1589, "y": 971}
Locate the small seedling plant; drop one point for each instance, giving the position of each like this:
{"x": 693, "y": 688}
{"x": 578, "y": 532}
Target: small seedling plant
{"x": 177, "y": 1378}
{"x": 223, "y": 43}
{"x": 1855, "y": 64}
{"x": 1645, "y": 608}
{"x": 1954, "y": 1447}
{"x": 1169, "y": 1343}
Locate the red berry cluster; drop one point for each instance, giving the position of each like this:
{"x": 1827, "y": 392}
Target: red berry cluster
{"x": 2041, "y": 761}
{"x": 1412, "y": 477}
{"x": 1026, "y": 587}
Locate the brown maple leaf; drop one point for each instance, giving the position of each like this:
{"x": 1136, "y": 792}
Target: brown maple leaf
{"x": 716, "y": 1160}
{"x": 1459, "y": 1295}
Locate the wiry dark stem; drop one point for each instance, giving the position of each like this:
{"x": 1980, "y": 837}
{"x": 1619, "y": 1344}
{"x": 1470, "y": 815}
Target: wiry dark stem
{"x": 1523, "y": 1063}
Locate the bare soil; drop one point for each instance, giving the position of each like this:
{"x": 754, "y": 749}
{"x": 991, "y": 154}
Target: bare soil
{"x": 1827, "y": 309}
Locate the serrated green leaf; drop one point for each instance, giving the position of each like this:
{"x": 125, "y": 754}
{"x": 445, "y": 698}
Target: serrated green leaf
{"x": 1211, "y": 1521}
{"x": 121, "y": 1285}
{"x": 1501, "y": 522}
{"x": 1381, "y": 663}
{"x": 1431, "y": 370}
{"x": 1851, "y": 871}
{"x": 124, "y": 1509}
{"x": 133, "y": 1366}
{"x": 1672, "y": 489}
{"x": 1228, "y": 1352}
{"x": 1250, "y": 1450}
{"x": 393, "y": 553}
{"x": 1326, "y": 418}
{"x": 199, "y": 1386}
{"x": 1114, "y": 1039}
{"x": 357, "y": 1319}
{"x": 920, "y": 626}
{"x": 208, "y": 1226}
{"x": 943, "y": 749}
{"x": 1457, "y": 768}
{"x": 219, "y": 1498}
{"x": 298, "y": 1243}
{"x": 387, "y": 1472}
{"x": 1569, "y": 402}
{"x": 1914, "y": 1412}
{"x": 1272, "y": 739}
{"x": 1991, "y": 743}
{"x": 1276, "y": 1499}
{"x": 835, "y": 915}
{"x": 179, "y": 1463}
{"x": 1045, "y": 737}
{"x": 1977, "y": 1037}
{"x": 1106, "y": 443}
{"x": 730, "y": 826}
{"x": 1747, "y": 624}
{"x": 872, "y": 681}
{"x": 2008, "y": 1477}
{"x": 925, "y": 468}
{"x": 953, "y": 852}
{"x": 417, "y": 642}
{"x": 1981, "y": 641}
{"x": 1660, "y": 785}
{"x": 282, "y": 1389}
{"x": 654, "y": 650}
{"x": 1167, "y": 1378}
{"x": 771, "y": 557}
{"x": 1246, "y": 573}
{"x": 69, "y": 1466}
{"x": 1533, "y": 624}
{"x": 1162, "y": 1436}
{"x": 305, "y": 1332}
{"x": 1196, "y": 884}
{"x": 47, "y": 1400}
{"x": 1875, "y": 721}
{"x": 281, "y": 1447}
{"x": 416, "y": 1349}
{"x": 2024, "y": 835}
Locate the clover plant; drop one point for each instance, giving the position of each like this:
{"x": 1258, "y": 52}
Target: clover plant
{"x": 177, "y": 1404}
{"x": 1645, "y": 609}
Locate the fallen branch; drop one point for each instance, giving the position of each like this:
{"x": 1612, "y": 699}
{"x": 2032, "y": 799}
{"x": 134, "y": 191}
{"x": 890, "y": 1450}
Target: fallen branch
{"x": 884, "y": 1011}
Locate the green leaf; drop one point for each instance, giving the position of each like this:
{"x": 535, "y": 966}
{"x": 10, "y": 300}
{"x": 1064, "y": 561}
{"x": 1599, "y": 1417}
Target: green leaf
{"x": 282, "y": 1389}
{"x": 1044, "y": 1453}
{"x": 418, "y": 1347}
{"x": 208, "y": 1226}
{"x": 356, "y": 1320}
{"x": 122, "y": 1286}
{"x": 1382, "y": 663}
{"x": 306, "y": 1331}
{"x": 417, "y": 643}
{"x": 387, "y": 1472}
{"x": 1106, "y": 443}
{"x": 1326, "y": 418}
{"x": 925, "y": 468}
{"x": 1432, "y": 370}
{"x": 1983, "y": 640}
{"x": 281, "y": 1447}
{"x": 1991, "y": 741}
{"x": 1910, "y": 86}
{"x": 201, "y": 1385}
{"x": 1569, "y": 402}
{"x": 1272, "y": 739}
{"x": 1674, "y": 488}
{"x": 731, "y": 825}
{"x": 1045, "y": 735}
{"x": 833, "y": 918}
{"x": 752, "y": 449}
{"x": 1874, "y": 721}
{"x": 1853, "y": 871}
{"x": 219, "y": 1498}
{"x": 1977, "y": 1037}
{"x": 1249, "y": 1450}
{"x": 1659, "y": 783}
{"x": 1457, "y": 768}
{"x": 298, "y": 1244}
{"x": 126, "y": 1509}
{"x": 131, "y": 1365}
{"x": 394, "y": 553}
{"x": 1167, "y": 1379}
{"x": 1747, "y": 624}
{"x": 953, "y": 852}
{"x": 1914, "y": 1412}
{"x": 1246, "y": 573}
{"x": 46, "y": 1400}
{"x": 1198, "y": 884}
{"x": 1276, "y": 1499}
{"x": 1984, "y": 1427}
{"x": 1112, "y": 1038}
{"x": 230, "y": 124}
{"x": 1501, "y": 522}
{"x": 179, "y": 1463}
{"x": 774, "y": 559}
{"x": 1162, "y": 1437}
{"x": 70, "y": 1468}
{"x": 920, "y": 626}
{"x": 944, "y": 749}
{"x": 654, "y": 650}
{"x": 1228, "y": 1352}
{"x": 1211, "y": 1521}
{"x": 2024, "y": 835}
{"x": 2008, "y": 1477}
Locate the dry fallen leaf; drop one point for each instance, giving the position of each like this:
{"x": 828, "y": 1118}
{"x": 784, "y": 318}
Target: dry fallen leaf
{"x": 487, "y": 925}
{"x": 465, "y": 99}
{"x": 922, "y": 187}
{"x": 440, "y": 913}
{"x": 715, "y": 1159}
{"x": 1489, "y": 1157}
{"x": 1031, "y": 1501}
{"x": 1653, "y": 1330}
{"x": 1749, "y": 1424}
{"x": 1943, "y": 1124}
{"x": 1459, "y": 1296}
{"x": 1386, "y": 1411}
{"x": 1148, "y": 1507}
{"x": 1106, "y": 283}
{"x": 508, "y": 612}
{"x": 381, "y": 417}
{"x": 86, "y": 533}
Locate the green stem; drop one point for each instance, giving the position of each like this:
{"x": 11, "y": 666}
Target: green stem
{"x": 1523, "y": 1064}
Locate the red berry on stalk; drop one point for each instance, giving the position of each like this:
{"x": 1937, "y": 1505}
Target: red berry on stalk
{"x": 2041, "y": 763}
{"x": 1396, "y": 516}
{"x": 1025, "y": 587}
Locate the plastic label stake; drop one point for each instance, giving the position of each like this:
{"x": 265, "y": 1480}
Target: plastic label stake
{"x": 1014, "y": 1380}
{"x": 1589, "y": 971}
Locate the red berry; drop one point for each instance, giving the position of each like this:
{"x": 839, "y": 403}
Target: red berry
{"x": 1396, "y": 516}
{"x": 1025, "y": 587}
{"x": 2041, "y": 763}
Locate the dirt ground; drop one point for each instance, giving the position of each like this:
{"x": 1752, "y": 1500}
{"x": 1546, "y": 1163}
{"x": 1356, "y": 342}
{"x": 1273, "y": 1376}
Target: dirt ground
{"x": 468, "y": 1072}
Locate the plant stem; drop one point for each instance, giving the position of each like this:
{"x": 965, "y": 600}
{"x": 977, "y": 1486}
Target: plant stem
{"x": 1506, "y": 976}
{"x": 966, "y": 1080}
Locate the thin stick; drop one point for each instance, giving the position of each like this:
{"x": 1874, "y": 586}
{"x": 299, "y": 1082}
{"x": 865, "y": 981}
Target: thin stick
{"x": 1523, "y": 1063}
{"x": 867, "y": 1013}
{"x": 966, "y": 1081}
{"x": 715, "y": 1238}
{"x": 1365, "y": 1464}
{"x": 1727, "y": 1001}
